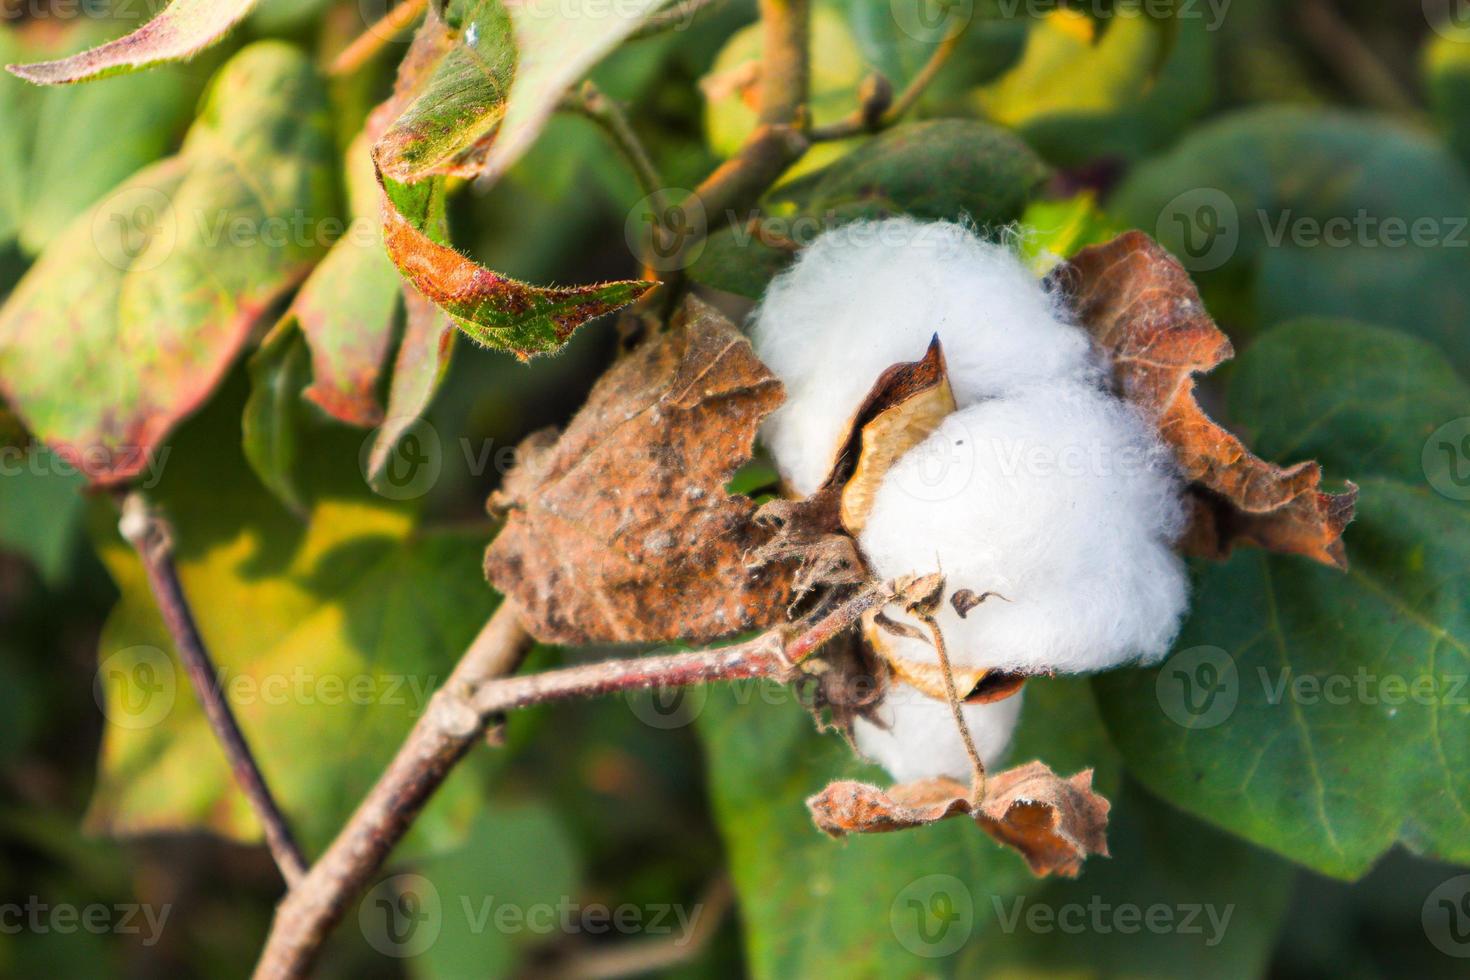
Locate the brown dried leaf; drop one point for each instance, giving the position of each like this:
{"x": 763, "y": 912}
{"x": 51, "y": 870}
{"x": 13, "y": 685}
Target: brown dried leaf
{"x": 1054, "y": 823}
{"x": 622, "y": 531}
{"x": 1142, "y": 308}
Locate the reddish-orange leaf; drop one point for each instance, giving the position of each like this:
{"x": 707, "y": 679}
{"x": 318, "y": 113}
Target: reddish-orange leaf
{"x": 1142, "y": 308}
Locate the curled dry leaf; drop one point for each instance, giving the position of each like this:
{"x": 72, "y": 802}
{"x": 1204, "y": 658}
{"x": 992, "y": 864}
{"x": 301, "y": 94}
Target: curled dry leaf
{"x": 1141, "y": 307}
{"x": 905, "y": 407}
{"x": 1054, "y": 823}
{"x": 621, "y": 530}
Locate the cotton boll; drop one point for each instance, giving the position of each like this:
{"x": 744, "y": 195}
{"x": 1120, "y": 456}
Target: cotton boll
{"x": 1062, "y": 499}
{"x": 921, "y": 739}
{"x": 870, "y": 295}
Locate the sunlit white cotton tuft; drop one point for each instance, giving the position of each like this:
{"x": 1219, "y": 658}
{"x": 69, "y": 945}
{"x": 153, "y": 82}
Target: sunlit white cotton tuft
{"x": 922, "y": 740}
{"x": 870, "y": 295}
{"x": 1062, "y": 500}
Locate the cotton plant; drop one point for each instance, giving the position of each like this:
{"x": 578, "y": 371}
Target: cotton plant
{"x": 1042, "y": 489}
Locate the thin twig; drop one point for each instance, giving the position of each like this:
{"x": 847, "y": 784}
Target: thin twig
{"x": 877, "y": 111}
{"x": 366, "y": 45}
{"x": 977, "y": 784}
{"x": 590, "y": 102}
{"x": 779, "y": 138}
{"x": 785, "y": 60}
{"x": 150, "y": 535}
{"x": 593, "y": 103}
{"x": 438, "y": 741}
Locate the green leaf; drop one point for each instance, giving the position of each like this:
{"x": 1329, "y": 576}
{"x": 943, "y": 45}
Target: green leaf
{"x": 1316, "y": 713}
{"x": 498, "y": 893}
{"x": 500, "y": 81}
{"x": 133, "y": 314}
{"x": 275, "y": 421}
{"x": 66, "y": 147}
{"x": 867, "y": 906}
{"x": 1055, "y": 230}
{"x": 181, "y": 30}
{"x": 1121, "y": 86}
{"x": 445, "y": 74}
{"x": 1177, "y": 899}
{"x": 40, "y": 508}
{"x": 949, "y": 169}
{"x": 1285, "y": 212}
{"x": 423, "y": 359}
{"x": 810, "y": 903}
{"x": 329, "y": 639}
{"x": 899, "y": 41}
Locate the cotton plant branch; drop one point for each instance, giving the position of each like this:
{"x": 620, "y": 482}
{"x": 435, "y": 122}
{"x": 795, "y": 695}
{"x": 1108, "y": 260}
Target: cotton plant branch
{"x": 476, "y": 695}
{"x": 590, "y": 102}
{"x": 446, "y": 732}
{"x": 366, "y": 46}
{"x": 152, "y": 538}
{"x": 879, "y": 108}
{"x": 779, "y": 139}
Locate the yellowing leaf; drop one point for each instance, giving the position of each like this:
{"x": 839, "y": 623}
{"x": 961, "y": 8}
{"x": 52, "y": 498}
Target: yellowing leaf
{"x": 182, "y": 29}
{"x": 133, "y": 314}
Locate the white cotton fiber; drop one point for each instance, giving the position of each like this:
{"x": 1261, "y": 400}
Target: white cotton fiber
{"x": 1062, "y": 499}
{"x": 872, "y": 294}
{"x": 922, "y": 740}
